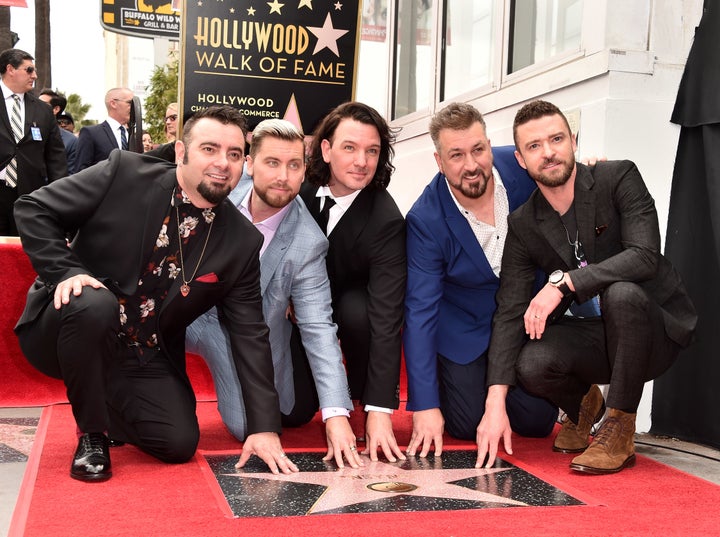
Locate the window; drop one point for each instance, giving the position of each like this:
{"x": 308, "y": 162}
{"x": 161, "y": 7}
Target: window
{"x": 541, "y": 29}
{"x": 468, "y": 46}
{"x": 374, "y": 58}
{"x": 449, "y": 49}
{"x": 414, "y": 56}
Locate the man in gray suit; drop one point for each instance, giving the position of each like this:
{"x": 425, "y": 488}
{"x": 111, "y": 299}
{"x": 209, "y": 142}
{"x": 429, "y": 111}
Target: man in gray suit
{"x": 294, "y": 284}
{"x": 614, "y": 311}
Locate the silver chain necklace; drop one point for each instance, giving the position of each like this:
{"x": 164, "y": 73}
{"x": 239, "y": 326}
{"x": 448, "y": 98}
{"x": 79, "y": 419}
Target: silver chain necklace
{"x": 185, "y": 288}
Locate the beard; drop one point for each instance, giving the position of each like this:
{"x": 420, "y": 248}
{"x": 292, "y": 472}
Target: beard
{"x": 213, "y": 194}
{"x": 277, "y": 201}
{"x": 559, "y": 176}
{"x": 471, "y": 190}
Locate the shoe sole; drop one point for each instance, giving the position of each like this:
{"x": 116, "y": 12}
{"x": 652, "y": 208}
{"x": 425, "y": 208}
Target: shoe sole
{"x": 565, "y": 450}
{"x": 91, "y": 478}
{"x": 629, "y": 463}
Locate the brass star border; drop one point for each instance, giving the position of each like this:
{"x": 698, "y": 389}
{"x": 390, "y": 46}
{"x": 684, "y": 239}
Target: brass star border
{"x": 450, "y": 482}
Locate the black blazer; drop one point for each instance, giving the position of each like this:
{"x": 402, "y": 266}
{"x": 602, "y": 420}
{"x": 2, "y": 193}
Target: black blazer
{"x": 367, "y": 250}
{"x": 618, "y": 227}
{"x": 38, "y": 161}
{"x": 95, "y": 144}
{"x": 117, "y": 208}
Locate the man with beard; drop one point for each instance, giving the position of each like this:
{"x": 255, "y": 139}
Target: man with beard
{"x": 455, "y": 238}
{"x": 155, "y": 246}
{"x": 613, "y": 310}
{"x": 292, "y": 273}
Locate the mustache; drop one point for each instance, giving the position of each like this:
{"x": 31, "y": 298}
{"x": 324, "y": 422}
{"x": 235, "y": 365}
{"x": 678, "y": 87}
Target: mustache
{"x": 475, "y": 173}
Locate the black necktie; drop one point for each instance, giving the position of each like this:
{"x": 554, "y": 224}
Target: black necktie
{"x": 123, "y": 138}
{"x": 325, "y": 213}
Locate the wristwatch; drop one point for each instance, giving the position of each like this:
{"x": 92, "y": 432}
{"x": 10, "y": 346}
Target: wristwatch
{"x": 556, "y": 280}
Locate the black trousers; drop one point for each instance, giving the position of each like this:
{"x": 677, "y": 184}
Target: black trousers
{"x": 306, "y": 396}
{"x": 151, "y": 406}
{"x": 351, "y": 316}
{"x": 462, "y": 402}
{"x": 624, "y": 348}
{"x": 8, "y": 196}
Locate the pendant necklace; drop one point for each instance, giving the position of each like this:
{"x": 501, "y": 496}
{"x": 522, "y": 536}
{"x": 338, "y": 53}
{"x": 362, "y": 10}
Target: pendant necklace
{"x": 185, "y": 288}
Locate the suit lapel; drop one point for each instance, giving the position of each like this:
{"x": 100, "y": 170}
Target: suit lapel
{"x": 159, "y": 193}
{"x": 355, "y": 218}
{"x": 107, "y": 129}
{"x": 551, "y": 227}
{"x": 460, "y": 227}
{"x": 275, "y": 251}
{"x": 5, "y": 119}
{"x": 585, "y": 210}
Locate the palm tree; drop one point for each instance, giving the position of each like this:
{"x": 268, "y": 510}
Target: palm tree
{"x": 6, "y": 39}
{"x": 42, "y": 44}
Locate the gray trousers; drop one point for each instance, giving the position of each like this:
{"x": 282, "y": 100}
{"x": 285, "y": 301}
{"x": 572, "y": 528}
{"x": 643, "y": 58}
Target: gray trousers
{"x": 624, "y": 348}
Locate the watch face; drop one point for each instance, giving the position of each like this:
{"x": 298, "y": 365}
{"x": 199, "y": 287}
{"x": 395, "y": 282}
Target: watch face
{"x": 556, "y": 277}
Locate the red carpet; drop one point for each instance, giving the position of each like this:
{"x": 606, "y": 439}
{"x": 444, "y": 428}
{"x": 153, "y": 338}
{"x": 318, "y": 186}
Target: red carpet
{"x": 148, "y": 498}
{"x": 22, "y": 384}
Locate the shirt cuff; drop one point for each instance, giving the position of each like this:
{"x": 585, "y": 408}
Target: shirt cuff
{"x": 374, "y": 408}
{"x": 334, "y": 411}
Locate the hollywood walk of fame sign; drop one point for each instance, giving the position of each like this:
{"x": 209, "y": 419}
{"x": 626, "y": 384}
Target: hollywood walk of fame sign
{"x": 450, "y": 482}
{"x": 290, "y": 60}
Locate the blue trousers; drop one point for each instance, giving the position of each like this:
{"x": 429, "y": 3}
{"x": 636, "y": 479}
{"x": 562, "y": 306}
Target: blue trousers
{"x": 462, "y": 402}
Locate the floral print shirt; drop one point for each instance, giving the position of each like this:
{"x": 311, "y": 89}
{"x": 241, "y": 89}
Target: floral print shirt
{"x": 139, "y": 312}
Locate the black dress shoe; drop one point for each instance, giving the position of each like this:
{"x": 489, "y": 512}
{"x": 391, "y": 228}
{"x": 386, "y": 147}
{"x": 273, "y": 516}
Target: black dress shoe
{"x": 116, "y": 443}
{"x": 92, "y": 458}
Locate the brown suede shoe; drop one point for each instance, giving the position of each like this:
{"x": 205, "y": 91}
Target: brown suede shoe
{"x": 613, "y": 447}
{"x": 573, "y": 438}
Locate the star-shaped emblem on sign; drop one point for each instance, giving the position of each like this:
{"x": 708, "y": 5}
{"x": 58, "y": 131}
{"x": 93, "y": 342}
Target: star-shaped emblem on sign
{"x": 305, "y": 3}
{"x": 327, "y": 36}
{"x": 275, "y": 7}
{"x": 431, "y": 484}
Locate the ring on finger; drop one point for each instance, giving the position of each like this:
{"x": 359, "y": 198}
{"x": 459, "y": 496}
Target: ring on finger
{"x": 536, "y": 316}
{"x": 283, "y": 456}
{"x": 353, "y": 448}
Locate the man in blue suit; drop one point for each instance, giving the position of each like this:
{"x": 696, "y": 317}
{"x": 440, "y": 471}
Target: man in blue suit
{"x": 294, "y": 284}
{"x": 97, "y": 141}
{"x": 455, "y": 237}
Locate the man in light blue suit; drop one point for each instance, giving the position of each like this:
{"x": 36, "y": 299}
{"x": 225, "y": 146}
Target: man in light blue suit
{"x": 294, "y": 284}
{"x": 455, "y": 237}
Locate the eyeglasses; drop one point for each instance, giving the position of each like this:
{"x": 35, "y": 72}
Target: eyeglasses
{"x": 29, "y": 69}
{"x": 172, "y": 117}
{"x": 123, "y": 101}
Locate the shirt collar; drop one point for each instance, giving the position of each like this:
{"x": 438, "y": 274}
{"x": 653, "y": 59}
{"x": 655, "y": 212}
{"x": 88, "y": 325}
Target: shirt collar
{"x": 344, "y": 202}
{"x": 114, "y": 124}
{"x": 7, "y": 92}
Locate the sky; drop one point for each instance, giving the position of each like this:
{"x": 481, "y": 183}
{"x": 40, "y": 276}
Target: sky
{"x": 78, "y": 50}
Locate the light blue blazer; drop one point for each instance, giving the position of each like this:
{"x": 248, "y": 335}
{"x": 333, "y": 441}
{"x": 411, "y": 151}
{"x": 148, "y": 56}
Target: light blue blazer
{"x": 291, "y": 267}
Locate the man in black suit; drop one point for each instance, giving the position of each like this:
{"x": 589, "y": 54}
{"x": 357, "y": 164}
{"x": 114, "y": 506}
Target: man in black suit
{"x": 156, "y": 245}
{"x": 613, "y": 311}
{"x": 32, "y": 153}
{"x": 347, "y": 175}
{"x": 57, "y": 103}
{"x": 97, "y": 141}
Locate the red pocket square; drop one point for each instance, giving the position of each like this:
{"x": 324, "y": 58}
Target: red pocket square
{"x": 207, "y": 278}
